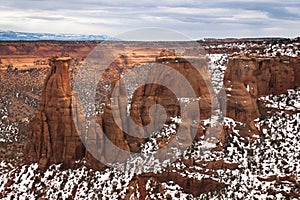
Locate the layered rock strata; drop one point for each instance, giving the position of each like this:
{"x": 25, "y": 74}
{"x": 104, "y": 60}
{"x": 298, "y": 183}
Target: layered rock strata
{"x": 248, "y": 78}
{"x": 52, "y": 136}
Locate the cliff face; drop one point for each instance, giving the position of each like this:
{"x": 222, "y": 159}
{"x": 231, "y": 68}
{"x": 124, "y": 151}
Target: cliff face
{"x": 52, "y": 136}
{"x": 270, "y": 75}
{"x": 246, "y": 79}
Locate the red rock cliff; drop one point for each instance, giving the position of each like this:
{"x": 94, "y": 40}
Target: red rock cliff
{"x": 246, "y": 79}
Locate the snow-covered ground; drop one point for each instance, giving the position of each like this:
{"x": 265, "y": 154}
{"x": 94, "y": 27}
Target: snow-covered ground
{"x": 277, "y": 154}
{"x": 288, "y": 101}
{"x": 217, "y": 67}
{"x": 274, "y": 156}
{"x": 291, "y": 49}
{"x": 263, "y": 49}
{"x": 9, "y": 131}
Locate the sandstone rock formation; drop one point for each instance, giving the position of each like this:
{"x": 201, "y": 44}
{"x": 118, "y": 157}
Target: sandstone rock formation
{"x": 246, "y": 79}
{"x": 193, "y": 72}
{"x": 266, "y": 75}
{"x": 52, "y": 136}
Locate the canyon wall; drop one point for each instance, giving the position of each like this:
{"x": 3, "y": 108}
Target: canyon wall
{"x": 248, "y": 78}
{"x": 265, "y": 75}
{"x": 53, "y": 137}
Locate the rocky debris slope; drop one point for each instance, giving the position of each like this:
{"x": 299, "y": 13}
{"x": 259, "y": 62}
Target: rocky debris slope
{"x": 244, "y": 169}
{"x": 19, "y": 99}
{"x": 287, "y": 102}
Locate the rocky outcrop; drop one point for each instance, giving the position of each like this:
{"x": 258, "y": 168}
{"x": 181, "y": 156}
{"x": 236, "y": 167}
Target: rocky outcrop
{"x": 156, "y": 91}
{"x": 188, "y": 185}
{"x": 248, "y": 78}
{"x": 263, "y": 76}
{"x": 52, "y": 136}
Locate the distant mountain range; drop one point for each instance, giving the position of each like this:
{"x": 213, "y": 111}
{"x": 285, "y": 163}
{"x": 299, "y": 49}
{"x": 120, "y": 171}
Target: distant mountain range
{"x": 11, "y": 35}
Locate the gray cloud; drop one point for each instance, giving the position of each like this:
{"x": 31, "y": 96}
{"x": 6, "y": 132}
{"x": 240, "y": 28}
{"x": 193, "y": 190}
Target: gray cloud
{"x": 196, "y": 19}
{"x": 274, "y": 9}
{"x": 45, "y": 18}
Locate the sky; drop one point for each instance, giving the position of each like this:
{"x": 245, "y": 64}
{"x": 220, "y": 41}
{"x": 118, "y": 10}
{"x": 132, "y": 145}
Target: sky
{"x": 195, "y": 19}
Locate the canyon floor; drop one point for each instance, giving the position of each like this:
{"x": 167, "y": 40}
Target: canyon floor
{"x": 255, "y": 154}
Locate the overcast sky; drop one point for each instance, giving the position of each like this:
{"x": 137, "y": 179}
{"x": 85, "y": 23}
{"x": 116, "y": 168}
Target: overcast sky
{"x": 195, "y": 19}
